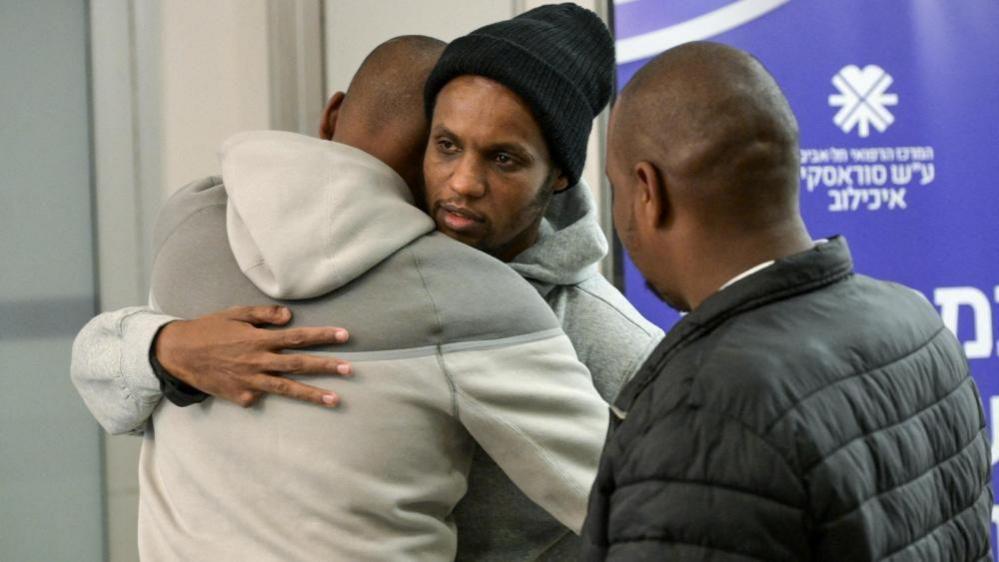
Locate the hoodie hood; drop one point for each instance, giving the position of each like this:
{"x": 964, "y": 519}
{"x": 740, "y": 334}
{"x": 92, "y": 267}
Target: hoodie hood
{"x": 571, "y": 243}
{"x": 307, "y": 216}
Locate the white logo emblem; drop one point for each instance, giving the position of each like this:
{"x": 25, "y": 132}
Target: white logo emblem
{"x": 862, "y": 99}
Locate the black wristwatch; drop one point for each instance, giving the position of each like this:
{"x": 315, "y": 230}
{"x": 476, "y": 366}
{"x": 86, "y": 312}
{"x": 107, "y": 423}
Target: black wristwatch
{"x": 175, "y": 390}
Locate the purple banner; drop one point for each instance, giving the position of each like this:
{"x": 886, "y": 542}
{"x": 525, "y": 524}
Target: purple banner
{"x": 898, "y": 104}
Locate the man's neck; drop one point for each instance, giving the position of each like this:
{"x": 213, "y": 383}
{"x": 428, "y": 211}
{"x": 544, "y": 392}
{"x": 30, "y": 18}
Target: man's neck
{"x": 719, "y": 261}
{"x": 376, "y": 147}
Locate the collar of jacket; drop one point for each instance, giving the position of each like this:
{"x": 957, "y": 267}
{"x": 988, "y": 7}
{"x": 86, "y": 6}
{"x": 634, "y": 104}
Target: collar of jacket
{"x": 800, "y": 273}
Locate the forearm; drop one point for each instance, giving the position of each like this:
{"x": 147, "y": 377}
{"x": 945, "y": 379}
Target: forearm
{"x": 111, "y": 371}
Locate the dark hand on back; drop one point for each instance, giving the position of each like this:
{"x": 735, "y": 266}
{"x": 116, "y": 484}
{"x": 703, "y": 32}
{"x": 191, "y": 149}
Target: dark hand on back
{"x": 227, "y": 355}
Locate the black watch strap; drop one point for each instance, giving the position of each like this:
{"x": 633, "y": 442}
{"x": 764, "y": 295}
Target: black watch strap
{"x": 175, "y": 390}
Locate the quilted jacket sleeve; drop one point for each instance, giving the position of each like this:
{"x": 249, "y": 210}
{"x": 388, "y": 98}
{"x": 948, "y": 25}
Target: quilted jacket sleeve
{"x": 695, "y": 485}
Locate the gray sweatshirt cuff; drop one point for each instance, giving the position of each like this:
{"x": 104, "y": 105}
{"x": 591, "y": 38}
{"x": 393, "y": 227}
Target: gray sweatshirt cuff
{"x": 136, "y": 375}
{"x": 110, "y": 367}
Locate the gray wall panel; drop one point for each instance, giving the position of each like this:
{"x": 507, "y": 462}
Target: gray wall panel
{"x": 50, "y": 448}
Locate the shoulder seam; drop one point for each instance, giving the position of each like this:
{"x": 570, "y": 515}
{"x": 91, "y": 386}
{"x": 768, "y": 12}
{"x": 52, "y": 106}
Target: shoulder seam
{"x": 438, "y": 353}
{"x": 426, "y": 288}
{"x": 615, "y": 309}
{"x": 641, "y": 359}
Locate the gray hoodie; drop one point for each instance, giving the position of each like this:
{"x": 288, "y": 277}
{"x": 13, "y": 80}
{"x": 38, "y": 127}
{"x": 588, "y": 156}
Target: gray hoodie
{"x": 450, "y": 348}
{"x": 498, "y": 522}
{"x": 610, "y": 336}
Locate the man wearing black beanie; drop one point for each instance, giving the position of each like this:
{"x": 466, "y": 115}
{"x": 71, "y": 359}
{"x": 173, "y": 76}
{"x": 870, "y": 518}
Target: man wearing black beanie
{"x": 511, "y": 107}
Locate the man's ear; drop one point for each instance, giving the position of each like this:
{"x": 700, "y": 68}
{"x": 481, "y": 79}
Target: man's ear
{"x": 327, "y": 126}
{"x": 650, "y": 201}
{"x": 561, "y": 181}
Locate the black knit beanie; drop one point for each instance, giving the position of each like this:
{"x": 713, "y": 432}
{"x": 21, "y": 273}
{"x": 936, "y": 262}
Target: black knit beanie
{"x": 558, "y": 58}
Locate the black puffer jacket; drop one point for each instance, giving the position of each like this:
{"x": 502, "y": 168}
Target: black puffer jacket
{"x": 803, "y": 413}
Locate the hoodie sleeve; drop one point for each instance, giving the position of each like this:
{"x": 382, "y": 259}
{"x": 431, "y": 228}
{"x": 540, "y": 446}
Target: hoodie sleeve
{"x": 111, "y": 371}
{"x": 110, "y": 365}
{"x": 532, "y": 406}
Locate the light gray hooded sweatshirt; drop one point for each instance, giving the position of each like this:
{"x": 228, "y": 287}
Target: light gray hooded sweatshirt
{"x": 450, "y": 349}
{"x": 498, "y": 522}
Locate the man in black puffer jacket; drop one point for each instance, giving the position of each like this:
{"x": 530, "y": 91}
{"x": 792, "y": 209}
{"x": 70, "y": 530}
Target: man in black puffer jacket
{"x": 800, "y": 411}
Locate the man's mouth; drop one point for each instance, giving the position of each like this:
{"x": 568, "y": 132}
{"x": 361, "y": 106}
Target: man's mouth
{"x": 458, "y": 218}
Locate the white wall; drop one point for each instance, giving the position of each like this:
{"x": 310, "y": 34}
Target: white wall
{"x": 230, "y": 66}
{"x": 50, "y": 447}
{"x": 214, "y": 81}
{"x": 354, "y": 28}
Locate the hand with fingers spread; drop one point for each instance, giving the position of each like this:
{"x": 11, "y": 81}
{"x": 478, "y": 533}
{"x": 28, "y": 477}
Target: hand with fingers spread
{"x": 227, "y": 355}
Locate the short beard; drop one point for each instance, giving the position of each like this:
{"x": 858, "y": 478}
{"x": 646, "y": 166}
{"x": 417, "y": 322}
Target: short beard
{"x": 537, "y": 209}
{"x": 544, "y": 196}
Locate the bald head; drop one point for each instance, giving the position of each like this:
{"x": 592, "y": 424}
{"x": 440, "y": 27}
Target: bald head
{"x": 703, "y": 155}
{"x": 382, "y": 112}
{"x": 718, "y": 128}
{"x": 388, "y": 86}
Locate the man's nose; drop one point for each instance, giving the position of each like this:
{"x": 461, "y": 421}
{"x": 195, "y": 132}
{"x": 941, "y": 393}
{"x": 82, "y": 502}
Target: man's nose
{"x": 468, "y": 178}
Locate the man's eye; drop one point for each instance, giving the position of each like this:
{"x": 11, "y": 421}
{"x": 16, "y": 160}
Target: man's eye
{"x": 504, "y": 159}
{"x": 445, "y": 145}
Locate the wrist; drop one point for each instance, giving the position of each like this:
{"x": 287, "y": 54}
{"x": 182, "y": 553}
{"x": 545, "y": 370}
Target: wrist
{"x": 159, "y": 349}
{"x": 175, "y": 390}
